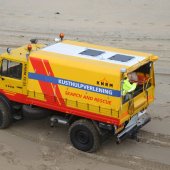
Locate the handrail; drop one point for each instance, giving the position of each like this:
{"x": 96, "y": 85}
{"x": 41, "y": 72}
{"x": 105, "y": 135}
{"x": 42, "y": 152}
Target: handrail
{"x": 76, "y": 104}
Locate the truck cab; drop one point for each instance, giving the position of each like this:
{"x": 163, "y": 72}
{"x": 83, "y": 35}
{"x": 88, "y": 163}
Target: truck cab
{"x": 14, "y": 70}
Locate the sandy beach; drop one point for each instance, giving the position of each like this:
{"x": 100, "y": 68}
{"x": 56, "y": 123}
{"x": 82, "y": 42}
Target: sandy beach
{"x": 135, "y": 25}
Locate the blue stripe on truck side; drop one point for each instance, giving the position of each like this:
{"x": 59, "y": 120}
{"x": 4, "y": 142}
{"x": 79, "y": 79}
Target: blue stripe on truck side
{"x": 74, "y": 84}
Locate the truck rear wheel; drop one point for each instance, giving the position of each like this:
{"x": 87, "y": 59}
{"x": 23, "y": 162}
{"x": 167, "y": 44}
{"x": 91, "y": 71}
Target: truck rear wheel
{"x": 84, "y": 136}
{"x": 5, "y": 113}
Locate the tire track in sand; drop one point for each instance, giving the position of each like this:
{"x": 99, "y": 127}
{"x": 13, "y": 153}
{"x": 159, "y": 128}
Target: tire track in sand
{"x": 120, "y": 159}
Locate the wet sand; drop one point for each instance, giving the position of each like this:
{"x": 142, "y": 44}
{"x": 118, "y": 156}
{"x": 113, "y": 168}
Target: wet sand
{"x": 134, "y": 25}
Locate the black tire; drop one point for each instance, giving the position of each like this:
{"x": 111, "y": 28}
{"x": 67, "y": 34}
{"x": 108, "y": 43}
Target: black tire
{"x": 35, "y": 113}
{"x": 5, "y": 113}
{"x": 84, "y": 136}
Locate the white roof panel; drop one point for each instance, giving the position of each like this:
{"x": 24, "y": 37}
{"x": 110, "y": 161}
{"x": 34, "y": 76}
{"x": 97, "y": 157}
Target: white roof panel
{"x": 94, "y": 54}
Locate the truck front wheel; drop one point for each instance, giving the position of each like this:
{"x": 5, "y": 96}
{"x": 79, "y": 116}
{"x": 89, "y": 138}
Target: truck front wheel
{"x": 84, "y": 136}
{"x": 5, "y": 113}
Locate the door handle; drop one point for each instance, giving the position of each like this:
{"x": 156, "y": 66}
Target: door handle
{"x": 19, "y": 87}
{"x": 2, "y": 78}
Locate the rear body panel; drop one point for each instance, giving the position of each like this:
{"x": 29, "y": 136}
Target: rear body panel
{"x": 81, "y": 79}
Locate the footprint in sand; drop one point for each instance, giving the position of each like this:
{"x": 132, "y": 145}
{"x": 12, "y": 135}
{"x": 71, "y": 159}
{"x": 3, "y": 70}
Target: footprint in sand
{"x": 48, "y": 167}
{"x": 151, "y": 23}
{"x": 135, "y": 23}
{"x": 7, "y": 153}
{"x": 100, "y": 22}
{"x": 118, "y": 22}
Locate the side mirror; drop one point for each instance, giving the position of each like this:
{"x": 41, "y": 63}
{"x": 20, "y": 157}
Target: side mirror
{"x": 8, "y": 50}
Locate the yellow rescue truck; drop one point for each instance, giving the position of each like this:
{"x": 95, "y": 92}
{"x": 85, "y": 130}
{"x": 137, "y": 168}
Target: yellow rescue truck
{"x": 82, "y": 85}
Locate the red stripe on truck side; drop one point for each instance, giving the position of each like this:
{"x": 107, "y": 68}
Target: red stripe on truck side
{"x": 46, "y": 87}
{"x": 57, "y": 90}
{"x": 78, "y": 112}
{"x": 68, "y": 110}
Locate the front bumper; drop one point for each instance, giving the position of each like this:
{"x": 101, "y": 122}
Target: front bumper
{"x": 137, "y": 122}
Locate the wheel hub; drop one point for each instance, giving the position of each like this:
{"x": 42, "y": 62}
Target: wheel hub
{"x": 82, "y": 137}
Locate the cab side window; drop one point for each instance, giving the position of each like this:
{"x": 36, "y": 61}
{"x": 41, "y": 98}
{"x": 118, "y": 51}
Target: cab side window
{"x": 11, "y": 69}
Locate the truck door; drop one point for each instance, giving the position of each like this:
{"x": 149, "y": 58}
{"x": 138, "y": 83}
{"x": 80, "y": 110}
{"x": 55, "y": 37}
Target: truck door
{"x": 11, "y": 76}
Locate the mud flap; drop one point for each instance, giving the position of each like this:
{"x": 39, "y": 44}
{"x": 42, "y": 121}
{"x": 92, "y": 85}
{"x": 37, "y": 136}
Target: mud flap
{"x": 137, "y": 122}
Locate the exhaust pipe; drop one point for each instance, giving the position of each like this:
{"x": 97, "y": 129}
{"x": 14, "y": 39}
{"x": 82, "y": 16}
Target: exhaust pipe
{"x": 58, "y": 120}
